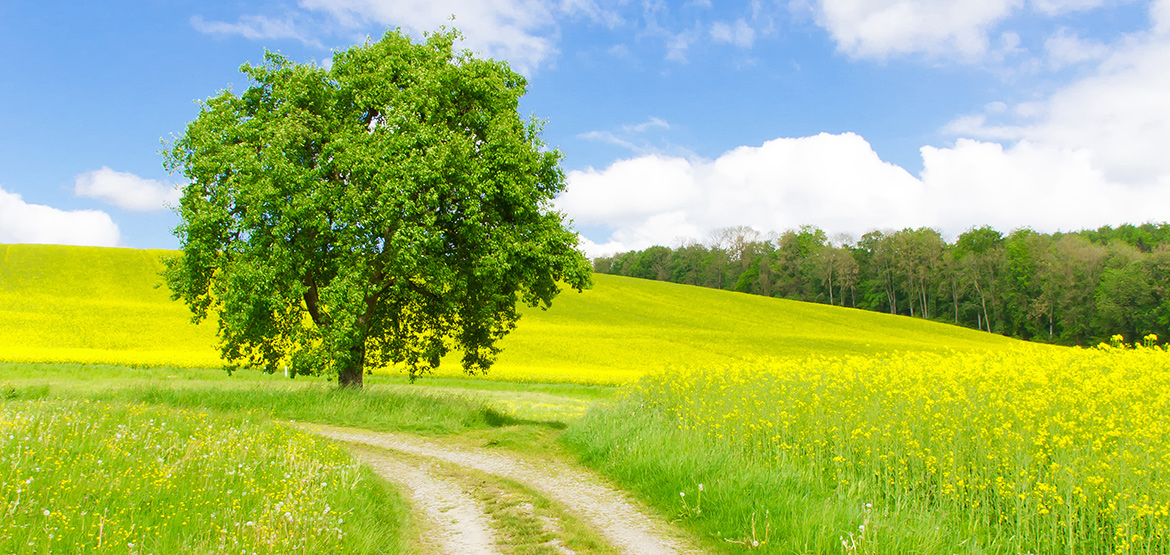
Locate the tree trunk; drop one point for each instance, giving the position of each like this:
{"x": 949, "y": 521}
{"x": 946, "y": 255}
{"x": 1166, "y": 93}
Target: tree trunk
{"x": 350, "y": 376}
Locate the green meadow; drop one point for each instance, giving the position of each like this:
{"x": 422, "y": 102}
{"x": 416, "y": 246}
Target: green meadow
{"x": 755, "y": 424}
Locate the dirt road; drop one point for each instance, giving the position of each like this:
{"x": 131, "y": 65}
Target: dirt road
{"x": 461, "y": 524}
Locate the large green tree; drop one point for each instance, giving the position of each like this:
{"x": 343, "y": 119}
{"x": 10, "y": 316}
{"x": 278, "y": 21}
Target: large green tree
{"x": 388, "y": 209}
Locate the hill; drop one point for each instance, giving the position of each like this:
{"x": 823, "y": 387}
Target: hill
{"x": 89, "y": 304}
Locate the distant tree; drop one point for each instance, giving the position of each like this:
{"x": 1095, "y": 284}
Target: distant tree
{"x": 794, "y": 263}
{"x": 652, "y": 263}
{"x": 980, "y": 251}
{"x": 837, "y": 270}
{"x": 388, "y": 209}
{"x": 1125, "y": 297}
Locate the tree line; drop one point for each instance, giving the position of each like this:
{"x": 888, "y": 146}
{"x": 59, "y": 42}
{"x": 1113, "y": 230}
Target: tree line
{"x": 1075, "y": 288}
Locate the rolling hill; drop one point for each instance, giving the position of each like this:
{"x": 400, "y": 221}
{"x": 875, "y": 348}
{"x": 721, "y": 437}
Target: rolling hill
{"x": 89, "y": 304}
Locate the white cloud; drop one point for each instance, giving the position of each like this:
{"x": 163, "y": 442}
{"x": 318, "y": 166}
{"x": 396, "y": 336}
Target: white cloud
{"x": 254, "y": 27}
{"x": 1119, "y": 115}
{"x": 739, "y": 33}
{"x": 881, "y": 28}
{"x": 1160, "y": 16}
{"x": 125, "y": 190}
{"x": 514, "y": 30}
{"x": 651, "y": 123}
{"x": 1065, "y": 48}
{"x": 835, "y": 181}
{"x": 838, "y": 183}
{"x": 627, "y": 136}
{"x": 21, "y": 222}
{"x": 1060, "y": 7}
{"x": 1029, "y": 185}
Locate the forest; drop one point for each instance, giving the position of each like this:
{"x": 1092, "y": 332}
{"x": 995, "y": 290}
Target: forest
{"x": 1077, "y": 288}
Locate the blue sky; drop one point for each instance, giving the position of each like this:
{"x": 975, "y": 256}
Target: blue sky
{"x": 675, "y": 118}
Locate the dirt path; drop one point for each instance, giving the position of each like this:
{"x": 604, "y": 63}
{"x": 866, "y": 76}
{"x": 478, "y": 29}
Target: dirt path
{"x": 619, "y": 521}
{"x": 460, "y": 527}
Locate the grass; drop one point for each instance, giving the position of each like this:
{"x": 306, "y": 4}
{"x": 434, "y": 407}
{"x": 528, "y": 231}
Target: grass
{"x": 1031, "y": 450}
{"x": 88, "y": 476}
{"x": 99, "y": 305}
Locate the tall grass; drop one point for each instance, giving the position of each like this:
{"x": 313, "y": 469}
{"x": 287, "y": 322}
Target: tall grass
{"x": 102, "y": 477}
{"x": 417, "y": 410}
{"x": 1037, "y": 450}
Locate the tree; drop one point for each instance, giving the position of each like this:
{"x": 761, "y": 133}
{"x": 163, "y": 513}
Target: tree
{"x": 980, "y": 251}
{"x": 388, "y": 209}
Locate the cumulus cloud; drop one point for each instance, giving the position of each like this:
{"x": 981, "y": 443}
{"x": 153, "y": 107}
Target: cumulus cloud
{"x": 835, "y": 181}
{"x": 21, "y": 222}
{"x": 838, "y": 183}
{"x": 125, "y": 190}
{"x": 881, "y": 28}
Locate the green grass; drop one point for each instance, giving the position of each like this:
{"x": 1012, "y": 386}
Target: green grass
{"x": 110, "y": 477}
{"x": 435, "y": 405}
{"x": 99, "y": 305}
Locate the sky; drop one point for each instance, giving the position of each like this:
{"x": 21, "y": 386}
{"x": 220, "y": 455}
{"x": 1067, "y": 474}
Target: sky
{"x": 674, "y": 118}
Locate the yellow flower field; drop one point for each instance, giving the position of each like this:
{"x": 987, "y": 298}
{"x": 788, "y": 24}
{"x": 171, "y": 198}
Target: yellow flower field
{"x": 101, "y": 305}
{"x": 1043, "y": 449}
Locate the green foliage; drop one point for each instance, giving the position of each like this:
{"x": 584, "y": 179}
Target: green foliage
{"x": 385, "y": 210}
{"x": 1072, "y": 289}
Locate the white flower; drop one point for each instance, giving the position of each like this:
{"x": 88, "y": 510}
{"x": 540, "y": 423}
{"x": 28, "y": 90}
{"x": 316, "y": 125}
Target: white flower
{"x": 700, "y": 487}
{"x": 47, "y": 513}
{"x": 682, "y": 494}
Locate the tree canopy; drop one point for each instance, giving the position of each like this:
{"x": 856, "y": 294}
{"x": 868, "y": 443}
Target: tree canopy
{"x": 1076, "y": 288}
{"x": 388, "y": 209}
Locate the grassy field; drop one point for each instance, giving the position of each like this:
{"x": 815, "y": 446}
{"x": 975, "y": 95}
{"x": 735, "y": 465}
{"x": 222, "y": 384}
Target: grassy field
{"x": 100, "y": 305}
{"x": 87, "y": 476}
{"x": 756, "y": 423}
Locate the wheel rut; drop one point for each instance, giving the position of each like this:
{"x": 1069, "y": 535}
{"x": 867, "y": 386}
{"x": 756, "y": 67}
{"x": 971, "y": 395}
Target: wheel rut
{"x": 616, "y": 518}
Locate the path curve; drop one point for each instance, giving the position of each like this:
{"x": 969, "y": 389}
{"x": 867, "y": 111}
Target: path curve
{"x": 627, "y": 528}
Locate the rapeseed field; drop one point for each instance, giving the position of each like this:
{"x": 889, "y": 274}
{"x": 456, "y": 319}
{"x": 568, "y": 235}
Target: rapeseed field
{"x": 101, "y": 305}
{"x": 1026, "y": 450}
{"x": 95, "y": 305}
